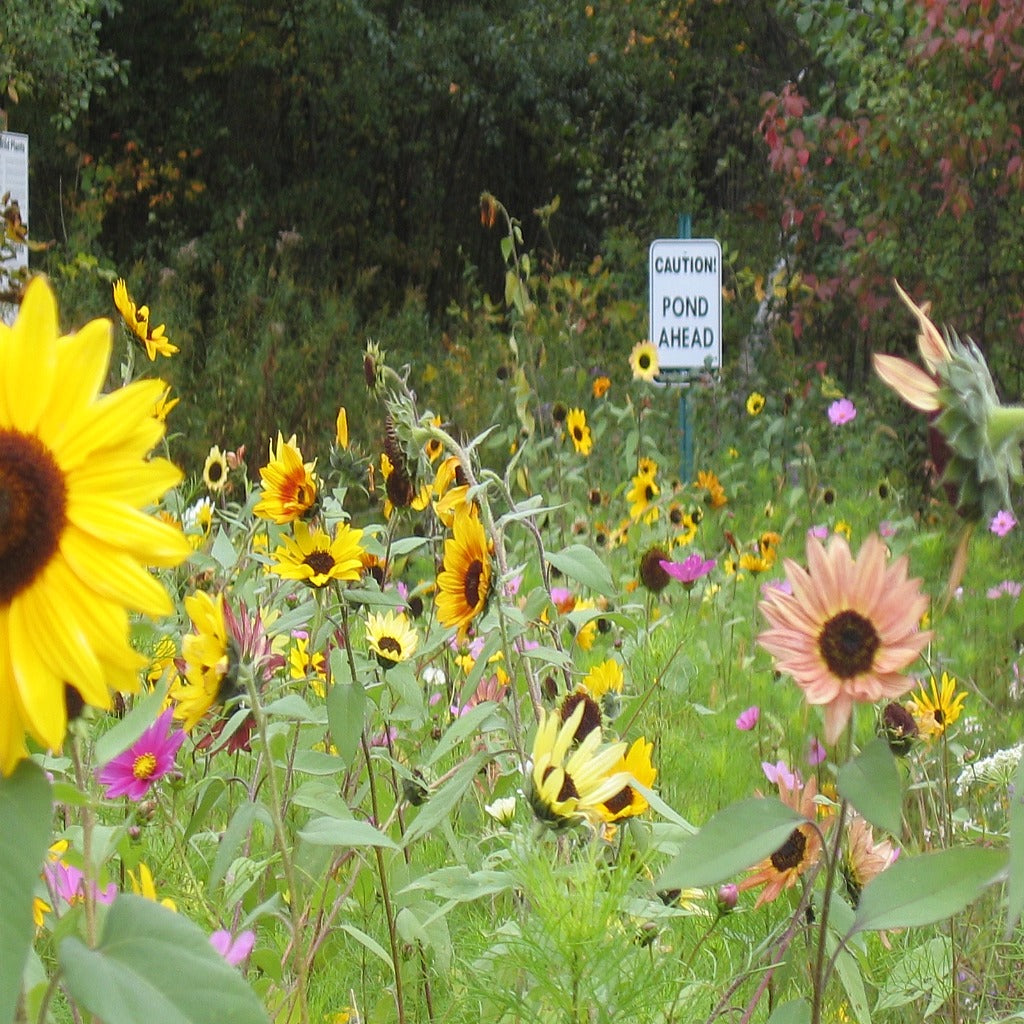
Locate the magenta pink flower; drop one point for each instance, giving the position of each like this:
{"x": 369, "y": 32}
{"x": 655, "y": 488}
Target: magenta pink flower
{"x": 841, "y": 411}
{"x": 688, "y": 571}
{"x": 233, "y": 949}
{"x": 748, "y": 719}
{"x": 67, "y": 884}
{"x": 149, "y": 758}
{"x": 816, "y": 753}
{"x": 1002, "y": 523}
{"x": 781, "y": 774}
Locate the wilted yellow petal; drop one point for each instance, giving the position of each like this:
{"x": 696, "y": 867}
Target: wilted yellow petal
{"x": 934, "y": 351}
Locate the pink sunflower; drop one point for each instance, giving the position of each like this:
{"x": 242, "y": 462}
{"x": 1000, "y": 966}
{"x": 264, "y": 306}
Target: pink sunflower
{"x": 849, "y": 628}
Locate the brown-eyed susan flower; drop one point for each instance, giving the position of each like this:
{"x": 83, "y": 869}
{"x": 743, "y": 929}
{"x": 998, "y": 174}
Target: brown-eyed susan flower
{"x": 75, "y": 545}
{"x": 980, "y": 449}
{"x": 210, "y": 664}
{"x": 449, "y": 490}
{"x": 629, "y": 801}
{"x": 316, "y": 558}
{"x": 898, "y": 727}
{"x": 576, "y": 426}
{"x": 464, "y": 583}
{"x": 848, "y": 629}
{"x": 591, "y": 717}
{"x": 642, "y": 495}
{"x": 136, "y": 319}
{"x": 434, "y": 446}
{"x": 800, "y": 851}
{"x": 936, "y": 707}
{"x": 709, "y": 482}
{"x": 390, "y": 637}
{"x": 755, "y": 403}
{"x": 215, "y": 470}
{"x": 569, "y": 783}
{"x": 643, "y": 361}
{"x": 289, "y": 484}
{"x": 600, "y": 386}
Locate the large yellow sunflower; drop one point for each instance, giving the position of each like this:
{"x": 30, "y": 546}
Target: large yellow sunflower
{"x": 465, "y": 581}
{"x": 74, "y": 541}
{"x": 289, "y": 484}
{"x": 316, "y": 558}
{"x": 848, "y": 629}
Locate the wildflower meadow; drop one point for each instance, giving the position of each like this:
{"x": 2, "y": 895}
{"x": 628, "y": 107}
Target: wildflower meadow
{"x": 593, "y": 712}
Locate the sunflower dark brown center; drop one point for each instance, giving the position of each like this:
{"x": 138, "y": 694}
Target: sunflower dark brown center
{"x": 620, "y": 801}
{"x": 215, "y": 472}
{"x": 577, "y": 432}
{"x": 33, "y": 511}
{"x": 568, "y": 790}
{"x": 644, "y": 361}
{"x": 791, "y": 853}
{"x": 389, "y": 645}
{"x": 321, "y": 562}
{"x": 848, "y": 643}
{"x": 471, "y": 586}
{"x": 591, "y": 719}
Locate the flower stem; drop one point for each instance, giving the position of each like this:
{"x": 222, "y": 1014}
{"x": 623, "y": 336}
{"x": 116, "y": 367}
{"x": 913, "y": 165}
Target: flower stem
{"x": 1005, "y": 423}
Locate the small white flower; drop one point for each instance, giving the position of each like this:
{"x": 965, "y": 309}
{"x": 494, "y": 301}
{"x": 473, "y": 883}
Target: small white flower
{"x": 503, "y": 810}
{"x": 434, "y": 676}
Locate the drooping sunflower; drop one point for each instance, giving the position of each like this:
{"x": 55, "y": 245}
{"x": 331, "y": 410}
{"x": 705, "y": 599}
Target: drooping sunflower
{"x": 863, "y": 858}
{"x": 848, "y": 629}
{"x": 74, "y": 541}
{"x": 643, "y": 361}
{"x": 567, "y": 787}
{"x": 576, "y": 426}
{"x": 316, "y": 558}
{"x": 390, "y": 637}
{"x": 136, "y": 319}
{"x": 799, "y": 852}
{"x": 629, "y": 801}
{"x": 935, "y": 709}
{"x": 210, "y": 665}
{"x": 604, "y": 678}
{"x": 289, "y": 484}
{"x": 464, "y": 582}
{"x": 215, "y": 470}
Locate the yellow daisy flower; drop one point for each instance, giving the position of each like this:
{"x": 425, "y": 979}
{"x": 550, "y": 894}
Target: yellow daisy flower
{"x": 209, "y": 665}
{"x": 289, "y": 484}
{"x": 390, "y": 637}
{"x": 75, "y": 545}
{"x": 215, "y": 470}
{"x": 604, "y": 678}
{"x": 755, "y": 403}
{"x": 136, "y": 319}
{"x": 629, "y": 801}
{"x": 643, "y": 361}
{"x": 576, "y": 425}
{"x": 935, "y": 709}
{"x": 464, "y": 583}
{"x": 600, "y": 386}
{"x": 316, "y": 559}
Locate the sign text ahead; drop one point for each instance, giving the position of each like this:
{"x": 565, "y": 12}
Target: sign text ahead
{"x": 685, "y": 277}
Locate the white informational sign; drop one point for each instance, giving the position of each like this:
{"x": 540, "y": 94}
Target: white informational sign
{"x": 685, "y": 311}
{"x": 13, "y": 185}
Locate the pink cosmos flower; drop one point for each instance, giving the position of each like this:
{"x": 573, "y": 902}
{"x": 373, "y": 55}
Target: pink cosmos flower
{"x": 781, "y": 774}
{"x": 688, "y": 571}
{"x": 149, "y": 758}
{"x": 233, "y": 949}
{"x": 841, "y": 411}
{"x": 816, "y": 753}
{"x": 748, "y": 719}
{"x": 1002, "y": 523}
{"x": 819, "y": 532}
{"x": 67, "y": 884}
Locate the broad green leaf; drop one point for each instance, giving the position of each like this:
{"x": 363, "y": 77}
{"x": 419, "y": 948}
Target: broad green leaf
{"x": 293, "y": 706}
{"x": 852, "y": 980}
{"x": 223, "y": 550}
{"x": 25, "y": 814}
{"x": 242, "y": 820}
{"x": 1015, "y": 882}
{"x": 328, "y": 831}
{"x": 928, "y": 888}
{"x": 130, "y": 728}
{"x": 440, "y": 804}
{"x": 461, "y": 884}
{"x": 156, "y": 966}
{"x": 923, "y": 970}
{"x": 871, "y": 782}
{"x": 796, "y": 1011}
{"x": 583, "y": 565}
{"x": 736, "y": 838}
{"x": 465, "y": 725}
{"x": 368, "y": 942}
{"x": 316, "y": 762}
{"x": 346, "y": 708}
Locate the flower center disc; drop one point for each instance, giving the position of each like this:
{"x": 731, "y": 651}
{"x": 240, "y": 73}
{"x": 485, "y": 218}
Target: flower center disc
{"x": 791, "y": 852}
{"x": 389, "y": 645}
{"x": 471, "y": 587}
{"x": 848, "y": 642}
{"x": 33, "y": 507}
{"x": 144, "y": 766}
{"x": 321, "y": 562}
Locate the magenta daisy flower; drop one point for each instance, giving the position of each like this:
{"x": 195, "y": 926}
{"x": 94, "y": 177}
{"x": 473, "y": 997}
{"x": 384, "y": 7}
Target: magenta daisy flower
{"x": 149, "y": 758}
{"x": 849, "y": 629}
{"x": 841, "y": 411}
{"x": 690, "y": 570}
{"x": 1002, "y": 523}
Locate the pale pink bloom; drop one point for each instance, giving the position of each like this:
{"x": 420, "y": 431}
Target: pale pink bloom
{"x": 233, "y": 949}
{"x": 850, "y": 628}
{"x": 841, "y": 411}
{"x": 1002, "y": 523}
{"x": 816, "y": 753}
{"x": 781, "y": 774}
{"x": 818, "y": 532}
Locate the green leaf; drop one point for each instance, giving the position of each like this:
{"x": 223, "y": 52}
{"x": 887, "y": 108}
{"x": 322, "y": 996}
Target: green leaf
{"x": 584, "y": 566}
{"x": 293, "y": 706}
{"x": 330, "y": 831}
{"x": 346, "y": 708}
{"x": 796, "y": 1011}
{"x": 928, "y": 888}
{"x": 241, "y": 822}
{"x": 130, "y": 728}
{"x": 155, "y": 965}
{"x": 871, "y": 782}
{"x": 736, "y": 838}
{"x": 461, "y": 884}
{"x": 25, "y": 814}
{"x": 1015, "y": 883}
{"x": 223, "y": 551}
{"x": 368, "y": 942}
{"x": 441, "y": 803}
